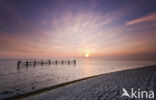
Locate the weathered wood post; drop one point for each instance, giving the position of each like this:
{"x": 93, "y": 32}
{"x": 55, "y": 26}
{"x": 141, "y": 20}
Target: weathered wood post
{"x": 34, "y": 63}
{"x": 56, "y": 62}
{"x": 27, "y": 63}
{"x": 41, "y": 62}
{"x": 62, "y": 62}
{"x": 18, "y": 63}
{"x": 49, "y": 62}
{"x": 68, "y": 62}
{"x": 74, "y": 62}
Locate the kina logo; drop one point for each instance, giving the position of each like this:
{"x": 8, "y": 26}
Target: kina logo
{"x": 137, "y": 93}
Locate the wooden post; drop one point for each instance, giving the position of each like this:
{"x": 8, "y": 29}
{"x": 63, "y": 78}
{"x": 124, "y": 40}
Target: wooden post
{"x": 41, "y": 62}
{"x": 27, "y": 63}
{"x": 68, "y": 62}
{"x": 34, "y": 63}
{"x": 49, "y": 61}
{"x": 62, "y": 62}
{"x": 74, "y": 62}
{"x": 18, "y": 64}
{"x": 56, "y": 62}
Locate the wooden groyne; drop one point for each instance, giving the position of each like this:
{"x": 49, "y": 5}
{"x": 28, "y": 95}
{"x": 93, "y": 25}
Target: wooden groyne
{"x": 27, "y": 63}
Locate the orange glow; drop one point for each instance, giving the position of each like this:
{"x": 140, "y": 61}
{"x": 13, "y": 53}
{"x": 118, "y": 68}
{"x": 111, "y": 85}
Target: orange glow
{"x": 87, "y": 55}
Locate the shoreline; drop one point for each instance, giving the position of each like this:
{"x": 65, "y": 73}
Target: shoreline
{"x": 36, "y": 93}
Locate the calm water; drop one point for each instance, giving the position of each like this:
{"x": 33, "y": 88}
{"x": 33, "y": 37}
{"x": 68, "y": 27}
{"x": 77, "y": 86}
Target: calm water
{"x": 15, "y": 81}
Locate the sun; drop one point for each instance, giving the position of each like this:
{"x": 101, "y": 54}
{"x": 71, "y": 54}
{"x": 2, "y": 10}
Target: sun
{"x": 87, "y": 55}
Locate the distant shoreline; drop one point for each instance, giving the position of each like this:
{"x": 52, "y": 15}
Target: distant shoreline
{"x": 22, "y": 96}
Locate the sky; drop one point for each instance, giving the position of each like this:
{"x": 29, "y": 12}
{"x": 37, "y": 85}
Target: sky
{"x": 74, "y": 28}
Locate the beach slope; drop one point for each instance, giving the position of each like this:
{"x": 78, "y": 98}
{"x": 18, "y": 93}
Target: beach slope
{"x": 104, "y": 87}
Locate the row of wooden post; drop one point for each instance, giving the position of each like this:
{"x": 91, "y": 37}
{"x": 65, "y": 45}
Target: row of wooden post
{"x": 42, "y": 62}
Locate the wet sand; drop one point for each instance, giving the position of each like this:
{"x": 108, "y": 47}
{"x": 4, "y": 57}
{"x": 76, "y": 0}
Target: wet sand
{"x": 102, "y": 87}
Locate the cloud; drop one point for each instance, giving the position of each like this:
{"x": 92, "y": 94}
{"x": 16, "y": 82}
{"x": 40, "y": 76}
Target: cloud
{"x": 147, "y": 18}
{"x": 72, "y": 29}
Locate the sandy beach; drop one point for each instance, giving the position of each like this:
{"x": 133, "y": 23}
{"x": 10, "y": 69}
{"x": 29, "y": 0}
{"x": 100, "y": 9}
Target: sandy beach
{"x": 103, "y": 87}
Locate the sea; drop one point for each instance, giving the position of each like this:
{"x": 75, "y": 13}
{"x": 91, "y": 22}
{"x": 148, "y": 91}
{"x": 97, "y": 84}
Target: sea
{"x": 16, "y": 81}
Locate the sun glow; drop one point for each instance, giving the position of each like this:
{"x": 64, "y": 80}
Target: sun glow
{"x": 87, "y": 55}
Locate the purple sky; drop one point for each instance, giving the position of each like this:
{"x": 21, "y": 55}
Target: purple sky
{"x": 71, "y": 28}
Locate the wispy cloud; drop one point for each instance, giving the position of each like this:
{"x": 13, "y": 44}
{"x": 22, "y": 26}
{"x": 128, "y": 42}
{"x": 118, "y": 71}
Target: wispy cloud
{"x": 147, "y": 18}
{"x": 72, "y": 28}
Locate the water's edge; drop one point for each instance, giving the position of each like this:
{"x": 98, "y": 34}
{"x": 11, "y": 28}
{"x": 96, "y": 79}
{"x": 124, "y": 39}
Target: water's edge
{"x": 39, "y": 91}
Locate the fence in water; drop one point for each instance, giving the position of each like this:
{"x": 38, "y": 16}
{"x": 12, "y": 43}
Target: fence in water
{"x": 34, "y": 63}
